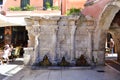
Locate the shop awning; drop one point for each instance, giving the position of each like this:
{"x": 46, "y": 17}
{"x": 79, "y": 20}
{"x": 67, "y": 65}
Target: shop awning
{"x": 11, "y": 21}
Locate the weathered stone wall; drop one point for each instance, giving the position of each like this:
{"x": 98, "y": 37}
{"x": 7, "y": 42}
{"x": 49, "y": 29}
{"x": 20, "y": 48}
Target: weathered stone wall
{"x": 58, "y": 36}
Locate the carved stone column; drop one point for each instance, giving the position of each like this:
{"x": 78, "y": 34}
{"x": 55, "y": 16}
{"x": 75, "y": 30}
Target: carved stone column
{"x": 91, "y": 43}
{"x": 65, "y": 37}
{"x": 36, "y": 28}
{"x": 29, "y": 51}
{"x": 46, "y": 38}
{"x": 31, "y": 37}
{"x": 99, "y": 46}
{"x": 91, "y": 31}
{"x": 29, "y": 28}
{"x": 72, "y": 25}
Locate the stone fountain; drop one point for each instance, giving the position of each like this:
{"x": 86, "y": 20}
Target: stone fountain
{"x": 62, "y": 39}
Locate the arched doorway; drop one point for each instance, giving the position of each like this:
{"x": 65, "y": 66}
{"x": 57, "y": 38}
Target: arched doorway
{"x": 105, "y": 25}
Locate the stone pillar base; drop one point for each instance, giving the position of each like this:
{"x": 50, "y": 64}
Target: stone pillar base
{"x": 28, "y": 54}
{"x": 99, "y": 57}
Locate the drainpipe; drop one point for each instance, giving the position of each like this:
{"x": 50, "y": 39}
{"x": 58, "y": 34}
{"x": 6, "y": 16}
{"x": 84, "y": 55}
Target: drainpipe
{"x": 61, "y": 6}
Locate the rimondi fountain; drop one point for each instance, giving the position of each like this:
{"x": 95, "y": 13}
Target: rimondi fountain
{"x": 60, "y": 40}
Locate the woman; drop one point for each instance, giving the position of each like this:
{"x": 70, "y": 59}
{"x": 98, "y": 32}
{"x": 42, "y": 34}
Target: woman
{"x": 7, "y": 53}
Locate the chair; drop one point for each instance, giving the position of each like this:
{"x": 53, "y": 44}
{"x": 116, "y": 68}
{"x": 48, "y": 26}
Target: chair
{"x": 16, "y": 53}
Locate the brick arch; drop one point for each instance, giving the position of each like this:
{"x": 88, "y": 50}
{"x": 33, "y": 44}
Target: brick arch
{"x": 104, "y": 24}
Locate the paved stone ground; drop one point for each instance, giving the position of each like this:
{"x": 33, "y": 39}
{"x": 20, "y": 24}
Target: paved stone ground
{"x": 113, "y": 64}
{"x": 16, "y": 71}
{"x": 10, "y": 69}
{"x": 98, "y": 73}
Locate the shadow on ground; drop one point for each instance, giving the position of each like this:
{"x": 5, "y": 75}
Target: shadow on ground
{"x": 18, "y": 62}
{"x": 2, "y": 76}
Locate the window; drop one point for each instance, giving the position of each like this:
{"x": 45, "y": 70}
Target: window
{"x": 1, "y": 2}
{"x": 44, "y": 3}
{"x": 24, "y": 3}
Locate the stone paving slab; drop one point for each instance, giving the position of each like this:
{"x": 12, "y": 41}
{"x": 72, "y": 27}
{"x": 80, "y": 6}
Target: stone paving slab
{"x": 60, "y": 68}
{"x": 98, "y": 73}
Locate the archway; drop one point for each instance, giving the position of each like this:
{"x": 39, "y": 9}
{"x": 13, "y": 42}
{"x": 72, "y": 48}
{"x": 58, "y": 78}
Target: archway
{"x": 110, "y": 47}
{"x": 104, "y": 26}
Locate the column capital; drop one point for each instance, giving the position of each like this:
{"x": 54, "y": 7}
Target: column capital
{"x": 91, "y": 29}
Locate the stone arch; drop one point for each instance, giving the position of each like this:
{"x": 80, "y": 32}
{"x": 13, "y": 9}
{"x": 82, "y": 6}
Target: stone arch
{"x": 104, "y": 24}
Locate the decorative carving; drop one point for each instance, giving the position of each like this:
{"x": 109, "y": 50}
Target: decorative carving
{"x": 81, "y": 61}
{"x": 60, "y": 36}
{"x": 63, "y": 62}
{"x": 45, "y": 62}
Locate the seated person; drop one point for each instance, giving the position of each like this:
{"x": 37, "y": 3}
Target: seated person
{"x": 7, "y": 53}
{"x": 19, "y": 51}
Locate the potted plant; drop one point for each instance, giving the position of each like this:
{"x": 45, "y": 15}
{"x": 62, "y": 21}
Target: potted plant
{"x": 73, "y": 11}
{"x": 29, "y": 8}
{"x": 48, "y": 5}
{"x": 14, "y": 8}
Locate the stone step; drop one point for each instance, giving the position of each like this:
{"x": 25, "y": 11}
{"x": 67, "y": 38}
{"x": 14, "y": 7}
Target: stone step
{"x": 60, "y": 68}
